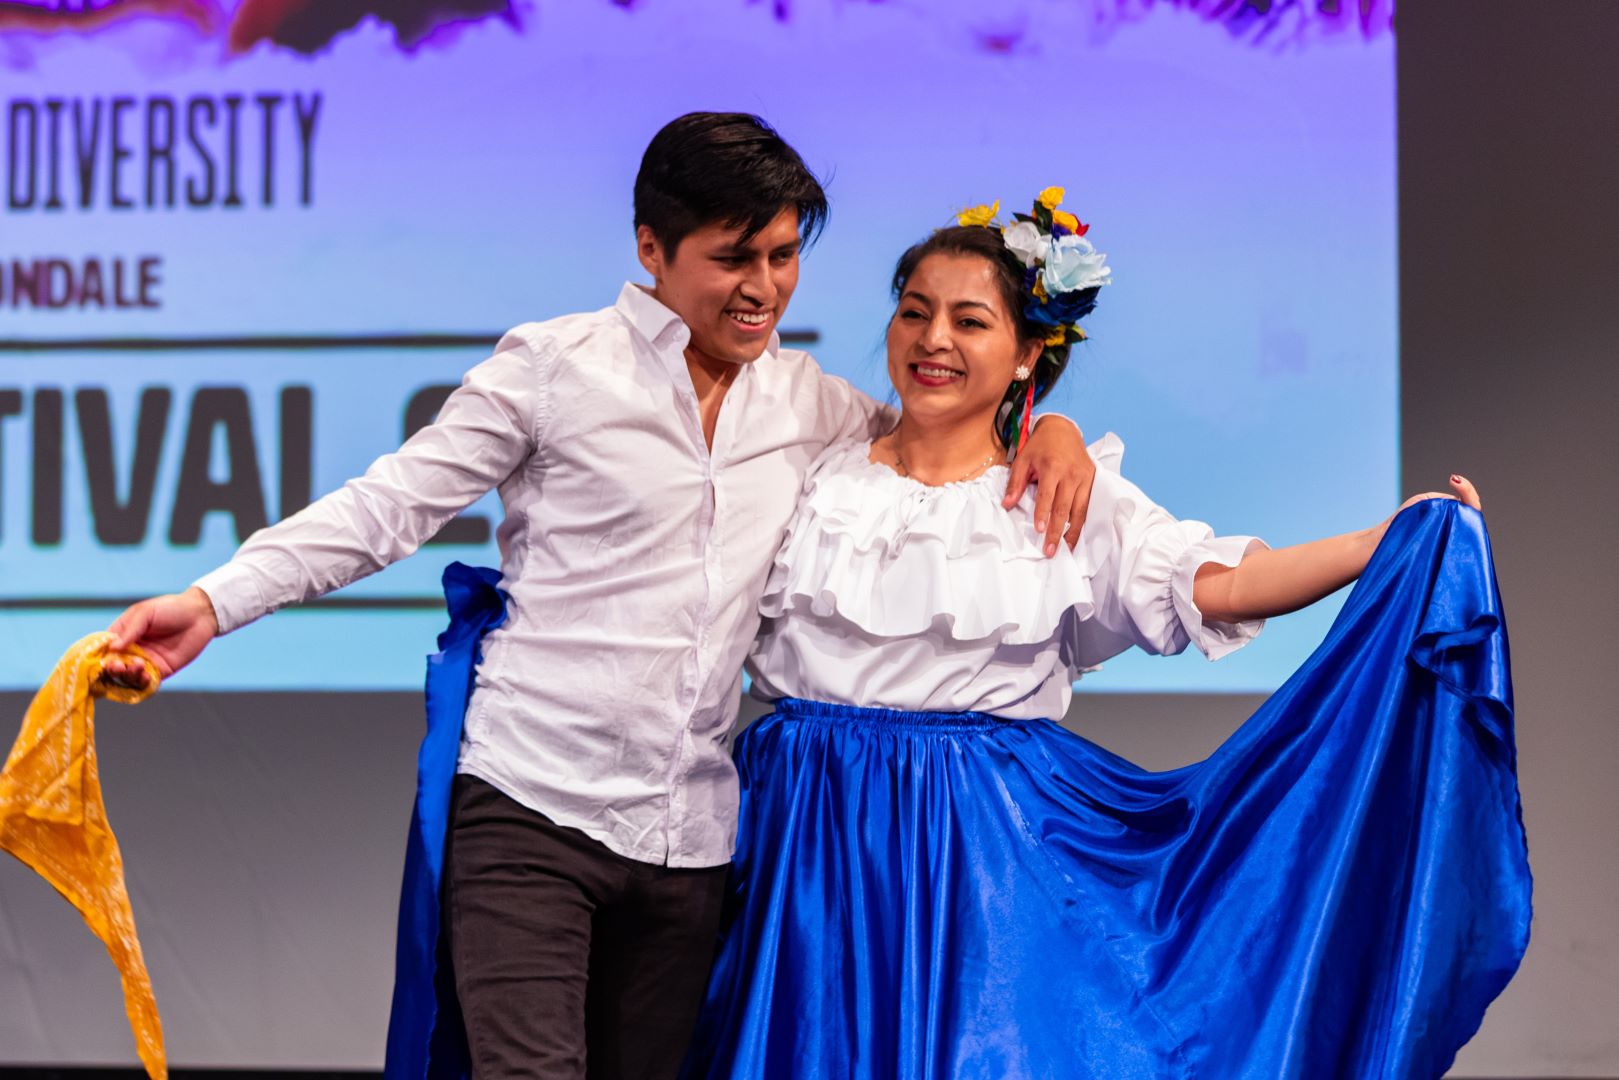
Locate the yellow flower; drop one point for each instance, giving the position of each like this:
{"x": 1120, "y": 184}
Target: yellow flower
{"x": 1082, "y": 334}
{"x": 1057, "y": 336}
{"x": 1051, "y": 198}
{"x": 979, "y": 215}
{"x": 1064, "y": 218}
{"x": 1039, "y": 289}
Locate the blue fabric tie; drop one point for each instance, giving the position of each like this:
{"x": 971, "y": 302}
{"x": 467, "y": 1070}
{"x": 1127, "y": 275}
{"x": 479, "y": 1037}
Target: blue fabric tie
{"x": 425, "y": 1035}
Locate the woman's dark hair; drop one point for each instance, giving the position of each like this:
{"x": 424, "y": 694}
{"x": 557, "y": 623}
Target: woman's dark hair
{"x": 727, "y": 167}
{"x": 1015, "y": 284}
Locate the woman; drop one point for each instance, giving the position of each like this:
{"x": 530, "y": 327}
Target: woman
{"x": 934, "y": 880}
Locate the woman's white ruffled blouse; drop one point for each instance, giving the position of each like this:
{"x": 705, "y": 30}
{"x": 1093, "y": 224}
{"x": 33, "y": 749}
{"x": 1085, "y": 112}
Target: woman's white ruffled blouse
{"x": 888, "y": 592}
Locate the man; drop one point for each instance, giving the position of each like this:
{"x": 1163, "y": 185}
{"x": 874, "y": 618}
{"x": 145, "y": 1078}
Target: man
{"x": 648, "y": 456}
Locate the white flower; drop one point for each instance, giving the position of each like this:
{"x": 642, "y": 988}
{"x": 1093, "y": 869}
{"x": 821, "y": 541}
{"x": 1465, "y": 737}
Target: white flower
{"x": 1025, "y": 241}
{"x": 1072, "y": 264}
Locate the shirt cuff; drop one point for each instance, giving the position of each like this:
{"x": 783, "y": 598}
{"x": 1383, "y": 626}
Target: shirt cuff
{"x": 1213, "y": 639}
{"x": 235, "y": 596}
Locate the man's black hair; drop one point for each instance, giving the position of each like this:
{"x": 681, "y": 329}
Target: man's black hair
{"x": 730, "y": 168}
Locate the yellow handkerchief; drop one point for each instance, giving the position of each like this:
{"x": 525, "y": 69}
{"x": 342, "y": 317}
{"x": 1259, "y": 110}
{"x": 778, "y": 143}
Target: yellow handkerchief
{"x": 53, "y": 819}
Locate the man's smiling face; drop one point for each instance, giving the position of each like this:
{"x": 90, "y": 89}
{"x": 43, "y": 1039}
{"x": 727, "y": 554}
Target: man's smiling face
{"x": 730, "y": 293}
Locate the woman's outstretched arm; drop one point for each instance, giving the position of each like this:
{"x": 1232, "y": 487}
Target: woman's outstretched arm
{"x": 1275, "y": 582}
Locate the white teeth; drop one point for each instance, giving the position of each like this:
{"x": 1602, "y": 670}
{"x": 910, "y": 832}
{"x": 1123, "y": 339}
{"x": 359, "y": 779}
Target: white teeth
{"x": 936, "y": 372}
{"x": 750, "y": 320}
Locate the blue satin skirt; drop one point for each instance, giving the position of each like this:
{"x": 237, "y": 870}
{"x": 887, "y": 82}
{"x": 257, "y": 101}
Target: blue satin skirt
{"x": 1339, "y": 891}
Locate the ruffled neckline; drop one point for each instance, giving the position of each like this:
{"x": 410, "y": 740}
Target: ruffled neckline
{"x": 896, "y": 557}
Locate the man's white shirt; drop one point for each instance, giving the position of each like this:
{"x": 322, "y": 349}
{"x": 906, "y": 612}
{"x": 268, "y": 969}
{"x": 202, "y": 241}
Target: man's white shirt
{"x": 633, "y": 554}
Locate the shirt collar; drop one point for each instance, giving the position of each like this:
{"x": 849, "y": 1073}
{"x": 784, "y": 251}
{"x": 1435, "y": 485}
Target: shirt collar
{"x": 662, "y": 328}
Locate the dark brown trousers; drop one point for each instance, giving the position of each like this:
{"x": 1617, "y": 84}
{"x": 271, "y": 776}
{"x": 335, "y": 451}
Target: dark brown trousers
{"x": 572, "y": 962}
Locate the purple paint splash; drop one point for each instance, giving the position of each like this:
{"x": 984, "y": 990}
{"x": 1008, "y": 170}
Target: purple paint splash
{"x": 86, "y": 16}
{"x": 308, "y": 26}
{"x": 1259, "y": 22}
{"x": 1269, "y": 22}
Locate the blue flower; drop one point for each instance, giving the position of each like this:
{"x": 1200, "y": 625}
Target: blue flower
{"x": 1073, "y": 263}
{"x": 1065, "y": 309}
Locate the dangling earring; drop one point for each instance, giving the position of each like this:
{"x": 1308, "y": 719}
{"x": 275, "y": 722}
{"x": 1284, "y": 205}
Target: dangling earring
{"x": 1023, "y": 372}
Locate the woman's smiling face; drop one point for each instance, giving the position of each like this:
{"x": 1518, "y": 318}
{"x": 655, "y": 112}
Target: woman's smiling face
{"x": 952, "y": 344}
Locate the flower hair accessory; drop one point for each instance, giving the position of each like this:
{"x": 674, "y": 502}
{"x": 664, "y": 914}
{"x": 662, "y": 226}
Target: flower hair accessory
{"x": 1062, "y": 271}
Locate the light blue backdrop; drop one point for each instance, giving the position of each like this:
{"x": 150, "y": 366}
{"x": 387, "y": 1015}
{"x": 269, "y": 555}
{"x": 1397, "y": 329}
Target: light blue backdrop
{"x": 1245, "y": 194}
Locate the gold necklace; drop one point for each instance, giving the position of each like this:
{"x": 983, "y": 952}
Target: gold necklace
{"x": 904, "y": 470}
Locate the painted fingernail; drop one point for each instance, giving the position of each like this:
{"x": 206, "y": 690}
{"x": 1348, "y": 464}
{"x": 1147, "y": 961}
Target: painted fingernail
{"x": 1455, "y": 478}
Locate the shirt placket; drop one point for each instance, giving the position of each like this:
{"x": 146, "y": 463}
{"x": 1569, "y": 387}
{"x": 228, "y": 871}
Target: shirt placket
{"x": 699, "y": 660}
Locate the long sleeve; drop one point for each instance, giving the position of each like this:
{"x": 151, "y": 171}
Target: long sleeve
{"x": 1143, "y": 563}
{"x": 487, "y": 428}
